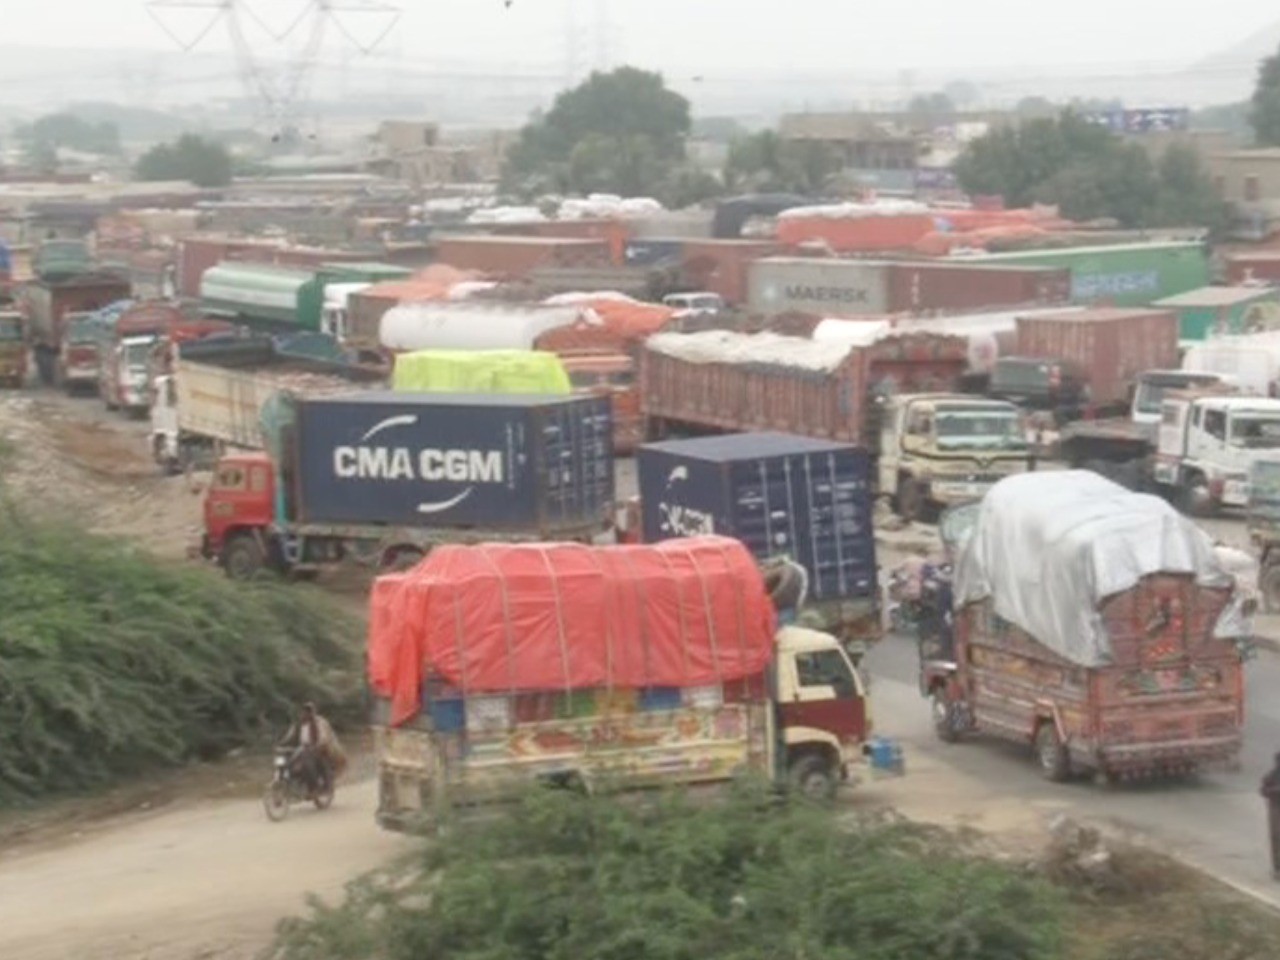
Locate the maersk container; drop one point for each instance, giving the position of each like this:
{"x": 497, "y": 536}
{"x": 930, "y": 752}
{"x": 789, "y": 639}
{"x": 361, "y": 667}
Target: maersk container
{"x": 525, "y": 463}
{"x": 825, "y": 287}
{"x": 781, "y": 495}
{"x": 1127, "y": 275}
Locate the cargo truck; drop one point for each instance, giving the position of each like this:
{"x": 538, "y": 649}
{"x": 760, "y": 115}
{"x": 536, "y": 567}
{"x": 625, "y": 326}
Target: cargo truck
{"x": 783, "y": 496}
{"x": 78, "y": 357}
{"x": 1207, "y": 445}
{"x": 212, "y": 397}
{"x": 664, "y": 669}
{"x": 1095, "y": 626}
{"x": 46, "y": 304}
{"x": 125, "y": 347}
{"x": 931, "y": 447}
{"x": 382, "y": 478}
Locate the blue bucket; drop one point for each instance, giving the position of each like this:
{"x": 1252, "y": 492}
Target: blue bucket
{"x": 885, "y": 755}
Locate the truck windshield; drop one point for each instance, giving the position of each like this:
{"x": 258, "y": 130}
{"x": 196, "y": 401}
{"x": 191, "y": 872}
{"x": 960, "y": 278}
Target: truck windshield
{"x": 137, "y": 353}
{"x": 1255, "y": 433}
{"x": 10, "y": 329}
{"x": 82, "y": 329}
{"x": 1150, "y": 396}
{"x": 979, "y": 428}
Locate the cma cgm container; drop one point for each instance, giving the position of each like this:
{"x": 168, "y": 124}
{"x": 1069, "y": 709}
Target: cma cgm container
{"x": 384, "y": 477}
{"x": 1126, "y": 275}
{"x": 826, "y": 287}
{"x": 537, "y": 463}
{"x": 782, "y": 496}
{"x": 517, "y": 256}
{"x": 926, "y": 287}
{"x": 1109, "y": 348}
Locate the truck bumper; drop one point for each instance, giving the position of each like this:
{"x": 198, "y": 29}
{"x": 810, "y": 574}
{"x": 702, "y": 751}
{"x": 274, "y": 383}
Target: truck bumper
{"x": 950, "y": 493}
{"x": 1162, "y": 759}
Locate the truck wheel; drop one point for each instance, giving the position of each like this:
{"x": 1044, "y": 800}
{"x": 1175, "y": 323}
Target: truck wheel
{"x": 1055, "y": 762}
{"x": 1269, "y": 587}
{"x": 814, "y": 777}
{"x": 944, "y": 719}
{"x": 242, "y": 557}
{"x": 910, "y": 499}
{"x": 1197, "y": 500}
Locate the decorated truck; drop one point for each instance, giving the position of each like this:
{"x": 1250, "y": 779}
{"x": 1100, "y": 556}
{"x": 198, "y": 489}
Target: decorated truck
{"x": 47, "y": 304}
{"x": 892, "y": 394}
{"x": 1096, "y": 626}
{"x": 383, "y": 478}
{"x": 634, "y": 666}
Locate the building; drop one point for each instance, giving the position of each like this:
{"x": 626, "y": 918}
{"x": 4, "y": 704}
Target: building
{"x": 876, "y": 151}
{"x": 1249, "y": 180}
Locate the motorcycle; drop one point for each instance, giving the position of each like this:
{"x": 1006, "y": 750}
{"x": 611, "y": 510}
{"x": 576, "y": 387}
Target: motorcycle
{"x": 286, "y": 789}
{"x": 916, "y": 597}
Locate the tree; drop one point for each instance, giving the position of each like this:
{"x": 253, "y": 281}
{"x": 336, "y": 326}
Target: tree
{"x": 622, "y": 132}
{"x": 66, "y": 130}
{"x": 1090, "y": 174}
{"x": 931, "y": 107}
{"x": 202, "y": 162}
{"x": 767, "y": 163}
{"x": 1264, "y": 116}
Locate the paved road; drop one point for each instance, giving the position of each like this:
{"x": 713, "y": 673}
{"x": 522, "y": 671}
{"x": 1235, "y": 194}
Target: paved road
{"x": 1216, "y": 821}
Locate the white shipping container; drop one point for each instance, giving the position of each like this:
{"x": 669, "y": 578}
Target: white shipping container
{"x": 825, "y": 287}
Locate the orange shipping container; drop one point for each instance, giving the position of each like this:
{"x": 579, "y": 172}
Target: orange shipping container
{"x": 516, "y": 257}
{"x": 615, "y": 233}
{"x": 1109, "y": 346}
{"x": 857, "y": 234}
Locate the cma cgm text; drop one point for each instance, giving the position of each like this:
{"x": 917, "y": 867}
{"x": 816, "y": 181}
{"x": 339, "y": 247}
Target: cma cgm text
{"x": 400, "y": 463}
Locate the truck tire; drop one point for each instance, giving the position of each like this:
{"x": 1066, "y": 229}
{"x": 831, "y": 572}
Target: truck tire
{"x": 944, "y": 720}
{"x": 1051, "y": 753}
{"x": 1195, "y": 497}
{"x": 813, "y": 776}
{"x": 243, "y": 557}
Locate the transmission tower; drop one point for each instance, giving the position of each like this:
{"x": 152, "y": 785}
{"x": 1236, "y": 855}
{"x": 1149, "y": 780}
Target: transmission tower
{"x": 278, "y": 79}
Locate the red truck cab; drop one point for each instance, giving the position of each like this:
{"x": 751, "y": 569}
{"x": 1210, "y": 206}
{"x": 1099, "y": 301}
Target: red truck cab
{"x": 238, "y": 509}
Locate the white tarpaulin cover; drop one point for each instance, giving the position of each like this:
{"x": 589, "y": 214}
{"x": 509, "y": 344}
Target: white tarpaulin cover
{"x": 1049, "y": 548}
{"x": 469, "y": 326}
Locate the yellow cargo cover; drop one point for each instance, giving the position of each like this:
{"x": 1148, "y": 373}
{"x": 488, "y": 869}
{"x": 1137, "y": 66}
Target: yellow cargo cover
{"x": 480, "y": 371}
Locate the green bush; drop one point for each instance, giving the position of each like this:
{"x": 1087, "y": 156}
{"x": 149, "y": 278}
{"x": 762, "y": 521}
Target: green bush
{"x": 743, "y": 878}
{"x": 113, "y": 662}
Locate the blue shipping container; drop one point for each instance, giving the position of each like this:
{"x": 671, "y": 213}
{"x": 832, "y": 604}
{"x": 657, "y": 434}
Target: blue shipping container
{"x": 542, "y": 464}
{"x": 780, "y": 495}
{"x": 650, "y": 253}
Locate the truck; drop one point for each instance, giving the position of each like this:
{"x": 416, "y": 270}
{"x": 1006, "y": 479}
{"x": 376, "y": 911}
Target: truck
{"x": 78, "y": 358}
{"x": 667, "y": 668}
{"x": 891, "y": 394}
{"x": 212, "y": 395}
{"x": 1123, "y": 447}
{"x": 46, "y": 304}
{"x": 807, "y": 500}
{"x": 13, "y": 349}
{"x": 57, "y": 260}
{"x": 382, "y": 478}
{"x": 125, "y": 348}
{"x": 1207, "y": 445}
{"x": 1095, "y": 626}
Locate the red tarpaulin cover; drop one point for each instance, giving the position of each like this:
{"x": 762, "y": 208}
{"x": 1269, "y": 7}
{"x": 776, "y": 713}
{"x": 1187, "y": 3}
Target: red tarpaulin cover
{"x": 500, "y": 618}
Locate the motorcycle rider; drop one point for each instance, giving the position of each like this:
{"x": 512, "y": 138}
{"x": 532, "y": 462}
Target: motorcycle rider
{"x": 313, "y": 743}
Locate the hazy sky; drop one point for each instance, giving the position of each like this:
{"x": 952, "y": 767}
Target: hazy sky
{"x": 703, "y": 37}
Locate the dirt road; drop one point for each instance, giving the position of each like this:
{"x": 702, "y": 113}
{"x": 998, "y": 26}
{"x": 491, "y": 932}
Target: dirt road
{"x": 208, "y": 881}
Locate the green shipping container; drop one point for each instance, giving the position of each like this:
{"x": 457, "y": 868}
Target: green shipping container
{"x": 265, "y": 297}
{"x": 1127, "y": 275}
{"x": 1221, "y": 310}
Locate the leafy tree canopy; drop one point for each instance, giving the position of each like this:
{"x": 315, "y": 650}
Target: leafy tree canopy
{"x": 766, "y": 163}
{"x": 1090, "y": 173}
{"x": 622, "y": 132}
{"x": 1265, "y": 113}
{"x": 192, "y": 158}
{"x": 67, "y": 130}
